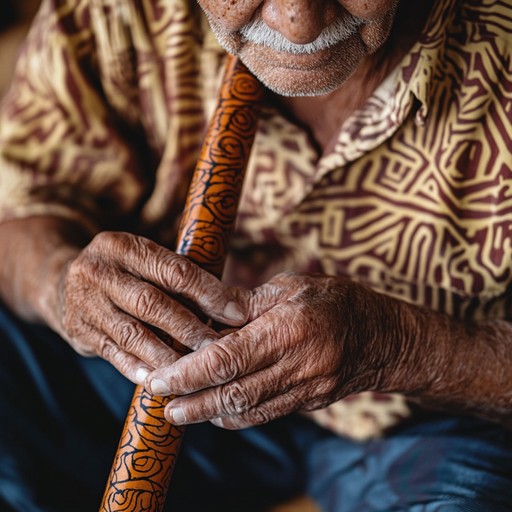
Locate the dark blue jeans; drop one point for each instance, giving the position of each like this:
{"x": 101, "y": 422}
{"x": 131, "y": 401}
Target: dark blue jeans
{"x": 61, "y": 417}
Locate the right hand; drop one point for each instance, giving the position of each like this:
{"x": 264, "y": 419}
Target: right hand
{"x": 121, "y": 286}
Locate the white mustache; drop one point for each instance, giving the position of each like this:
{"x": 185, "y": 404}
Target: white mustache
{"x": 260, "y": 33}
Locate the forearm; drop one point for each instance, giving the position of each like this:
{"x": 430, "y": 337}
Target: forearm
{"x": 33, "y": 253}
{"x": 454, "y": 365}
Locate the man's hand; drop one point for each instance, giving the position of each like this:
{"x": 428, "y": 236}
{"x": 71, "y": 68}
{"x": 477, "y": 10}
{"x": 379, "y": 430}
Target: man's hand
{"x": 306, "y": 340}
{"x": 309, "y": 340}
{"x": 121, "y": 290}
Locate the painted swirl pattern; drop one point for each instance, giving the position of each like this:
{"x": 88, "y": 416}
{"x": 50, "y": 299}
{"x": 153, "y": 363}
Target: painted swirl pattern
{"x": 146, "y": 455}
{"x": 211, "y": 206}
{"x": 149, "y": 445}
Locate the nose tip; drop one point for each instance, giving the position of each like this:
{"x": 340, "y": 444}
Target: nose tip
{"x": 300, "y": 21}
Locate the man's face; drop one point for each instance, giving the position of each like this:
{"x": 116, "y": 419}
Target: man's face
{"x": 301, "y": 47}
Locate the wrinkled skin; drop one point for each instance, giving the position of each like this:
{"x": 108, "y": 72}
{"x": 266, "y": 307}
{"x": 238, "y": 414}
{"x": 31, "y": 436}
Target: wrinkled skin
{"x": 120, "y": 288}
{"x": 120, "y": 300}
{"x": 303, "y": 347}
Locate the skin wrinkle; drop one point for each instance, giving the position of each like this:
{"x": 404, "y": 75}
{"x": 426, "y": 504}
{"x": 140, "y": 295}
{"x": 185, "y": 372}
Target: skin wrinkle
{"x": 99, "y": 312}
{"x": 293, "y": 364}
{"x": 222, "y": 364}
{"x": 217, "y": 399}
{"x": 235, "y": 399}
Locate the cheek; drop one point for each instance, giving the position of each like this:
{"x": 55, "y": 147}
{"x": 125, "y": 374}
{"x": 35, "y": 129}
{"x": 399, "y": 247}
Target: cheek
{"x": 368, "y": 9}
{"x": 230, "y": 14}
{"x": 378, "y": 16}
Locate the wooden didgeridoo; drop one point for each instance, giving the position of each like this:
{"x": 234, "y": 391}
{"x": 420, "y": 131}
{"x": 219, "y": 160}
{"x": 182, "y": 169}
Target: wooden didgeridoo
{"x": 149, "y": 445}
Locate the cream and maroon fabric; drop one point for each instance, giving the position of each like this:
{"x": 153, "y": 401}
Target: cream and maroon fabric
{"x": 414, "y": 197}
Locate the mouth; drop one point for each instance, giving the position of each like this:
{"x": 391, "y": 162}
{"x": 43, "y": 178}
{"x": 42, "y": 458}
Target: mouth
{"x": 307, "y": 61}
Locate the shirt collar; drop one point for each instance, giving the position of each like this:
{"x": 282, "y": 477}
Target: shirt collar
{"x": 420, "y": 64}
{"x": 406, "y": 87}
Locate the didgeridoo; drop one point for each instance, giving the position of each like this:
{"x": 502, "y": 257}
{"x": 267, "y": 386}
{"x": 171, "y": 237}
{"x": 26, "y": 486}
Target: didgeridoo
{"x": 145, "y": 458}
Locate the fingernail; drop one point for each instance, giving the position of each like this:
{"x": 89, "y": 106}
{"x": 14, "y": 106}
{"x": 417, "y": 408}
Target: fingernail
{"x": 178, "y": 416}
{"x": 217, "y": 422}
{"x": 141, "y": 374}
{"x": 159, "y": 387}
{"x": 232, "y": 311}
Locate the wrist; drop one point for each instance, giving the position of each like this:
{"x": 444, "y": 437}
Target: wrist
{"x": 47, "y": 295}
{"x": 33, "y": 254}
{"x": 454, "y": 365}
{"x": 421, "y": 344}
{"x": 400, "y": 347}
{"x": 381, "y": 335}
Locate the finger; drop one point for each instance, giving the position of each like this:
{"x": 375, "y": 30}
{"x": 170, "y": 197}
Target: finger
{"x": 272, "y": 409}
{"x": 175, "y": 274}
{"x": 299, "y": 397}
{"x": 250, "y": 349}
{"x": 143, "y": 301}
{"x": 134, "y": 337}
{"x": 133, "y": 368}
{"x": 231, "y": 399}
{"x": 296, "y": 399}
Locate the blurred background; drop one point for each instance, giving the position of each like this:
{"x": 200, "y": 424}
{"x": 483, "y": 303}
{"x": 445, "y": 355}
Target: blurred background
{"x": 15, "y": 17}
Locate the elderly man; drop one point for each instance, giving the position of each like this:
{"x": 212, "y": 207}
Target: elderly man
{"x": 373, "y": 254}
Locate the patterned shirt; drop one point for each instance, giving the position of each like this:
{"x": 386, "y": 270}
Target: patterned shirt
{"x": 107, "y": 112}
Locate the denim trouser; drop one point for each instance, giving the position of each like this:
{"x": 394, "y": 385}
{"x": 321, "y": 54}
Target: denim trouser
{"x": 61, "y": 417}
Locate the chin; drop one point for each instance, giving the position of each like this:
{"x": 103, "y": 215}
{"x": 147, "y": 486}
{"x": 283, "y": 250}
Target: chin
{"x": 303, "y": 75}
{"x": 293, "y": 82}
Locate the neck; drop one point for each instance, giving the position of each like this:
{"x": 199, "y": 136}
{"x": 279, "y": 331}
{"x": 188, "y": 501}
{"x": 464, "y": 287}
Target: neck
{"x": 323, "y": 115}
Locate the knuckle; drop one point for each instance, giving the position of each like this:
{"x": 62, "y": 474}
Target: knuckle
{"x": 75, "y": 269}
{"x": 283, "y": 279}
{"x": 85, "y": 268}
{"x": 232, "y": 423}
{"x": 82, "y": 350}
{"x": 110, "y": 352}
{"x": 236, "y": 399}
{"x": 79, "y": 343}
{"x": 115, "y": 244}
{"x": 128, "y": 335}
{"x": 221, "y": 364}
{"x": 144, "y": 303}
{"x": 259, "y": 416}
{"x": 305, "y": 318}
{"x": 102, "y": 242}
{"x": 107, "y": 349}
{"x": 324, "y": 389}
{"x": 178, "y": 269}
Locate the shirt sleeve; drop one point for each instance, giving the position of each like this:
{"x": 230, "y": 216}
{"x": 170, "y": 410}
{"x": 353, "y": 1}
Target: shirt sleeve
{"x": 64, "y": 149}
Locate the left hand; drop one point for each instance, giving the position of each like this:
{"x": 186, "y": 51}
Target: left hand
{"x": 309, "y": 340}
